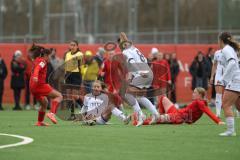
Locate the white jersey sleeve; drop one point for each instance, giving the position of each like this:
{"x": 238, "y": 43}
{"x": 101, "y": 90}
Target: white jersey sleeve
{"x": 138, "y": 68}
{"x": 216, "y": 57}
{"x": 230, "y": 61}
{"x": 134, "y": 55}
{"x": 229, "y": 53}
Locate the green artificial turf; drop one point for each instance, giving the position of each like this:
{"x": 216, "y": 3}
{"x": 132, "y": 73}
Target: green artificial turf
{"x": 68, "y": 140}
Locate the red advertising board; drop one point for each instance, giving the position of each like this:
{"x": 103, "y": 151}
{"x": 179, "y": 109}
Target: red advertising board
{"x": 185, "y": 54}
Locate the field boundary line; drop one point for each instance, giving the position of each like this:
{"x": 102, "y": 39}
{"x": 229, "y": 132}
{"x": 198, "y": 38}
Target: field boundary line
{"x": 26, "y": 140}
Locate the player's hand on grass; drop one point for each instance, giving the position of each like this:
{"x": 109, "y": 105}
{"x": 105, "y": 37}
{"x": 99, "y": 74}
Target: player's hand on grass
{"x": 221, "y": 123}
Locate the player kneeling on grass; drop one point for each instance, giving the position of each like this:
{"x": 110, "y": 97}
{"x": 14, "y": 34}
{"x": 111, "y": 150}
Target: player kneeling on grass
{"x": 97, "y": 106}
{"x": 190, "y": 114}
{"x": 38, "y": 86}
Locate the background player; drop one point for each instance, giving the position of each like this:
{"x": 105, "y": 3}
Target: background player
{"x": 38, "y": 86}
{"x": 230, "y": 79}
{"x": 216, "y": 76}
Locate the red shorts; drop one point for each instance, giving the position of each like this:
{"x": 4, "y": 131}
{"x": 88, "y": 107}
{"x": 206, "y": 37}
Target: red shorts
{"x": 41, "y": 90}
{"x": 172, "y": 109}
{"x": 174, "y": 115}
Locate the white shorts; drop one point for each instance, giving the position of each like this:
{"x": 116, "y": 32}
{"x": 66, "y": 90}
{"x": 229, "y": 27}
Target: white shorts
{"x": 141, "y": 82}
{"x": 218, "y": 78}
{"x": 90, "y": 114}
{"x": 234, "y": 84}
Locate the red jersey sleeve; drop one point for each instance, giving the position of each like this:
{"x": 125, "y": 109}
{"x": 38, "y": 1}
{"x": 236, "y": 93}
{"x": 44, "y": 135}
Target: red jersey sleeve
{"x": 210, "y": 114}
{"x": 37, "y": 68}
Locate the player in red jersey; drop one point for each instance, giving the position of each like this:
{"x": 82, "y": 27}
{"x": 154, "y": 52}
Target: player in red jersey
{"x": 38, "y": 86}
{"x": 111, "y": 72}
{"x": 190, "y": 114}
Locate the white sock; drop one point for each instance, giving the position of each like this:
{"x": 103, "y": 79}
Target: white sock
{"x": 118, "y": 113}
{"x": 100, "y": 120}
{"x": 121, "y": 107}
{"x": 237, "y": 113}
{"x": 137, "y": 108}
{"x": 146, "y": 103}
{"x": 218, "y": 103}
{"x": 230, "y": 124}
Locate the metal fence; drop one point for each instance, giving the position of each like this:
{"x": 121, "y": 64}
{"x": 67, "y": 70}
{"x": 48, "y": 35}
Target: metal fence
{"x": 99, "y": 21}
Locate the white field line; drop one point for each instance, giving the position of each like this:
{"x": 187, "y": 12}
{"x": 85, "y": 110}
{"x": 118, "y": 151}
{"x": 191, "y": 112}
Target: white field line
{"x": 26, "y": 140}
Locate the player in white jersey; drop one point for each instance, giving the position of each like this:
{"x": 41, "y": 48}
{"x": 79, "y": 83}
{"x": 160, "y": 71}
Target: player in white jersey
{"x": 230, "y": 79}
{"x": 216, "y": 76}
{"x": 98, "y": 107}
{"x": 140, "y": 76}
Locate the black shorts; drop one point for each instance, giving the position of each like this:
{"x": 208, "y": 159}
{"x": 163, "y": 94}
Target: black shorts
{"x": 74, "y": 78}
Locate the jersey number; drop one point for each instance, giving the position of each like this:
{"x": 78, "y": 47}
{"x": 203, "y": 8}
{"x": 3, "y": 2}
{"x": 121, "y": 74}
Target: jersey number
{"x": 142, "y": 58}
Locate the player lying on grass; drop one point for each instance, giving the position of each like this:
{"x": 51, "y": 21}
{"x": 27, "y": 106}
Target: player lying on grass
{"x": 190, "y": 114}
{"x": 38, "y": 86}
{"x": 98, "y": 106}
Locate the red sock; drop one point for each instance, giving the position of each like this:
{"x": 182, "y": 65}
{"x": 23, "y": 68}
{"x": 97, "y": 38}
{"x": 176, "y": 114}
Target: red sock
{"x": 54, "y": 106}
{"x": 160, "y": 106}
{"x": 147, "y": 121}
{"x": 135, "y": 118}
{"x": 41, "y": 116}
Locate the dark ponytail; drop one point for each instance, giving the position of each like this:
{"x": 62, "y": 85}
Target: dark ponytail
{"x": 228, "y": 39}
{"x": 38, "y": 51}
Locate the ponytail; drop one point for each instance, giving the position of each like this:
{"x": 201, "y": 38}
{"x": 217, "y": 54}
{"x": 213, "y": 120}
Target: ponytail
{"x": 228, "y": 39}
{"x": 38, "y": 51}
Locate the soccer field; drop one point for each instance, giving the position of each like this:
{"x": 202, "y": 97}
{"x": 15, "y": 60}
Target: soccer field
{"x": 68, "y": 140}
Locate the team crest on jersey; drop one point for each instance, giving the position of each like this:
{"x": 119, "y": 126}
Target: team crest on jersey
{"x": 42, "y": 64}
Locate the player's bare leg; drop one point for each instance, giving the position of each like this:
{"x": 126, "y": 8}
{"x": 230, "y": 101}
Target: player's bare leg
{"x": 229, "y": 99}
{"x": 41, "y": 113}
{"x": 56, "y": 99}
{"x": 237, "y": 104}
{"x": 167, "y": 104}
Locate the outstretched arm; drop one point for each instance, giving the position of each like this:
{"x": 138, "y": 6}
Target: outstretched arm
{"x": 209, "y": 113}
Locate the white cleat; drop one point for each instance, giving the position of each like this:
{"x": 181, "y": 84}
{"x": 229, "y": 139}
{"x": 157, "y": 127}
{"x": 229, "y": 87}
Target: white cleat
{"x": 28, "y": 107}
{"x": 228, "y": 134}
{"x": 237, "y": 114}
{"x": 127, "y": 120}
{"x": 36, "y": 107}
{"x": 141, "y": 119}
